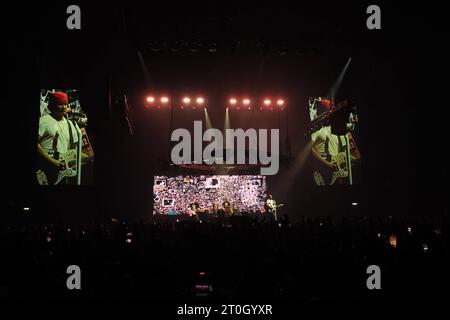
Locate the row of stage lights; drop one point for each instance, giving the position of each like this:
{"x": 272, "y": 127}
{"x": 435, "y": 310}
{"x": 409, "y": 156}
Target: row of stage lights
{"x": 164, "y": 101}
{"x": 199, "y": 102}
{"x": 267, "y": 104}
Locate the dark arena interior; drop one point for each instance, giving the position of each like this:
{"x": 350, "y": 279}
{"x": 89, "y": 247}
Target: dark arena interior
{"x": 205, "y": 154}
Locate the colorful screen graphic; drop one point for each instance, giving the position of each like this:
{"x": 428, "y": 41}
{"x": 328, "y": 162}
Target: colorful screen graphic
{"x": 175, "y": 195}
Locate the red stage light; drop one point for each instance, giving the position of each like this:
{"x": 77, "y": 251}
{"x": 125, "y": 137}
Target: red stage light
{"x": 246, "y": 101}
{"x": 233, "y": 101}
{"x": 164, "y": 99}
{"x": 150, "y": 99}
{"x": 280, "y": 102}
{"x": 200, "y": 100}
{"x": 267, "y": 102}
{"x": 186, "y": 100}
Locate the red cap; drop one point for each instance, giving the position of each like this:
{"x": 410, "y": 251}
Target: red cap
{"x": 326, "y": 103}
{"x": 59, "y": 98}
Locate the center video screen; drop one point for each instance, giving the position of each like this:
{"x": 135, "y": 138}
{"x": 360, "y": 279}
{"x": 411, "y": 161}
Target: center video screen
{"x": 210, "y": 194}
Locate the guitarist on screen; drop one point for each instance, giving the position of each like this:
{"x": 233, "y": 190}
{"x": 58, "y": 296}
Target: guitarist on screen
{"x": 56, "y": 136}
{"x": 327, "y": 149}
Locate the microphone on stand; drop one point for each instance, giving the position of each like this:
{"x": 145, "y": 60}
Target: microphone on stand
{"x": 77, "y": 115}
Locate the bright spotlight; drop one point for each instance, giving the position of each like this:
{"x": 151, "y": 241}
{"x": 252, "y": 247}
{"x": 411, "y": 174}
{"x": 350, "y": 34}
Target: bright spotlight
{"x": 186, "y": 100}
{"x": 150, "y": 99}
{"x": 246, "y": 101}
{"x": 267, "y": 102}
{"x": 233, "y": 101}
{"x": 280, "y": 102}
{"x": 200, "y": 100}
{"x": 164, "y": 99}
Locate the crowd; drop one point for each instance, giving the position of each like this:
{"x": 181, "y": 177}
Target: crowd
{"x": 240, "y": 257}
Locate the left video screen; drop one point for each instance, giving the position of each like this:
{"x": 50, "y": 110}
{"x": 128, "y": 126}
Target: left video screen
{"x": 65, "y": 155}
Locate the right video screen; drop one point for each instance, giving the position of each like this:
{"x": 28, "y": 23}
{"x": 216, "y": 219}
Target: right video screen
{"x": 334, "y": 138}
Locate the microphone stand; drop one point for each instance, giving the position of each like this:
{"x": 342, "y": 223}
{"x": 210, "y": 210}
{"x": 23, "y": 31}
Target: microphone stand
{"x": 79, "y": 152}
{"x": 349, "y": 160}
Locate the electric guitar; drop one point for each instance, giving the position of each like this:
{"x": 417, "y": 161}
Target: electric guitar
{"x": 328, "y": 176}
{"x": 341, "y": 161}
{"x": 341, "y": 167}
{"x": 273, "y": 208}
{"x": 49, "y": 175}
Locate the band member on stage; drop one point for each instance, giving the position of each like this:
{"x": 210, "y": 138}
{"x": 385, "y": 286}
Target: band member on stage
{"x": 194, "y": 209}
{"x": 227, "y": 207}
{"x": 56, "y": 136}
{"x": 215, "y": 208}
{"x": 271, "y": 206}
